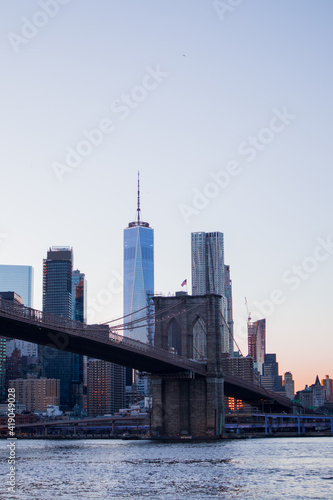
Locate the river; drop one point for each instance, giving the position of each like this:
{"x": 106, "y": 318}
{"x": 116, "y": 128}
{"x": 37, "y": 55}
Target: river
{"x": 261, "y": 469}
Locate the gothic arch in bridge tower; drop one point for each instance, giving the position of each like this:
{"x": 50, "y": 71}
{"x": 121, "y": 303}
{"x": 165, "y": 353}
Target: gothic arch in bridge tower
{"x": 199, "y": 339}
{"x": 174, "y": 337}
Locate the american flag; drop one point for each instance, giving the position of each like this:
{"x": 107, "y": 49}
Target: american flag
{"x": 184, "y": 282}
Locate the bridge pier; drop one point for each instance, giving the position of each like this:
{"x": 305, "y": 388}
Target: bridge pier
{"x": 187, "y": 406}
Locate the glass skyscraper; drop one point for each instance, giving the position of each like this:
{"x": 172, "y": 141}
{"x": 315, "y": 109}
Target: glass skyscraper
{"x": 19, "y": 279}
{"x": 79, "y": 296}
{"x": 57, "y": 299}
{"x": 138, "y": 277}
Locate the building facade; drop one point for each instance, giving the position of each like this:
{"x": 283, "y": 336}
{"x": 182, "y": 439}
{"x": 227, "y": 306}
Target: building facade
{"x": 79, "y": 362}
{"x": 106, "y": 387}
{"x": 211, "y": 276}
{"x": 327, "y": 384}
{"x": 270, "y": 378}
{"x": 57, "y": 299}
{"x": 19, "y": 279}
{"x": 79, "y": 296}
{"x": 13, "y": 298}
{"x": 289, "y": 385}
{"x": 256, "y": 337}
{"x": 138, "y": 277}
{"x": 36, "y": 394}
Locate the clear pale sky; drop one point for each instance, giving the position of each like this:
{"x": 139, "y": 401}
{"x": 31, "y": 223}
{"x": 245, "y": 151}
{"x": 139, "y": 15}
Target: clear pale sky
{"x": 227, "y": 113}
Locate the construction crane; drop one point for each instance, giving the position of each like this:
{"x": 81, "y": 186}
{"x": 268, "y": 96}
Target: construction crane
{"x": 248, "y": 313}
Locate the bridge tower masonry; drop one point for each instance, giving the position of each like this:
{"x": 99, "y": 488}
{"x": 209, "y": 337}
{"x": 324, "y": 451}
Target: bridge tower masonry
{"x": 187, "y": 404}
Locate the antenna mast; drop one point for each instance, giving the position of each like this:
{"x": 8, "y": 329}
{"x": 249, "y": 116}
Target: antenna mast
{"x": 138, "y": 209}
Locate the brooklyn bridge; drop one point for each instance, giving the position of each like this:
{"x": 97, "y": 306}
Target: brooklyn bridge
{"x": 188, "y": 394}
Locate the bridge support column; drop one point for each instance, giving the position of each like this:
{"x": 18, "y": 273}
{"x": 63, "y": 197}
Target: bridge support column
{"x": 187, "y": 406}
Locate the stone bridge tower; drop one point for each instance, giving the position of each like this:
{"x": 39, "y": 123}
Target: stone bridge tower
{"x": 186, "y": 403}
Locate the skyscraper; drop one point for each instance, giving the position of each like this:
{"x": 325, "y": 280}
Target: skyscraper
{"x": 57, "y": 299}
{"x": 228, "y": 299}
{"x": 256, "y": 338}
{"x": 57, "y": 281}
{"x": 270, "y": 378}
{"x": 79, "y": 296}
{"x": 138, "y": 276}
{"x": 19, "y": 279}
{"x": 211, "y": 276}
{"x": 15, "y": 299}
{"x": 79, "y": 362}
{"x": 207, "y": 263}
{"x": 106, "y": 387}
{"x": 289, "y": 385}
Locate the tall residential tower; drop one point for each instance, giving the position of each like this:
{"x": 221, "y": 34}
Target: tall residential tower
{"x": 211, "y": 276}
{"x": 57, "y": 299}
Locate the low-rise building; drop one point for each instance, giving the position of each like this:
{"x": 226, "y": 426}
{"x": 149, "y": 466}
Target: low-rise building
{"x": 37, "y": 394}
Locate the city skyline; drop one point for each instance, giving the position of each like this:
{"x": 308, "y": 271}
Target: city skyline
{"x": 231, "y": 133}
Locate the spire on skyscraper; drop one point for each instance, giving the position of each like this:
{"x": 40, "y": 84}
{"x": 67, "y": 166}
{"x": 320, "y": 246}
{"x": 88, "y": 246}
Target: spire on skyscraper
{"x": 138, "y": 209}
{"x": 138, "y": 221}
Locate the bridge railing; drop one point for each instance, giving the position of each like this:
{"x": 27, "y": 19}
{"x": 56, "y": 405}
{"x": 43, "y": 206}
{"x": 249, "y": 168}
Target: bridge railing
{"x": 101, "y": 333}
{"x": 34, "y": 315}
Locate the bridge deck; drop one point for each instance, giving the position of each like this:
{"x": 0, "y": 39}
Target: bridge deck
{"x": 98, "y": 341}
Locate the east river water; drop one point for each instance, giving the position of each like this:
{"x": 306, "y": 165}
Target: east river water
{"x": 261, "y": 469}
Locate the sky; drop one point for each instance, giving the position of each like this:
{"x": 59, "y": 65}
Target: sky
{"x": 225, "y": 107}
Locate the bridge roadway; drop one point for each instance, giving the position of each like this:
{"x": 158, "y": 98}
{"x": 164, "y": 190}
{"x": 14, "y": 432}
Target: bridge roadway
{"x": 99, "y": 341}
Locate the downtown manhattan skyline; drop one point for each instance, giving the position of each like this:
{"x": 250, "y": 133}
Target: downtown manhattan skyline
{"x": 228, "y": 121}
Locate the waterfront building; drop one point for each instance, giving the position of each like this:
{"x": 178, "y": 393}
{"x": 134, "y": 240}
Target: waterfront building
{"x": 57, "y": 299}
{"x": 256, "y": 337}
{"x": 305, "y": 397}
{"x": 270, "y": 378}
{"x": 327, "y": 383}
{"x": 238, "y": 366}
{"x": 211, "y": 276}
{"x": 289, "y": 385}
{"x": 318, "y": 393}
{"x": 106, "y": 387}
{"x": 138, "y": 277}
{"x": 36, "y": 394}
